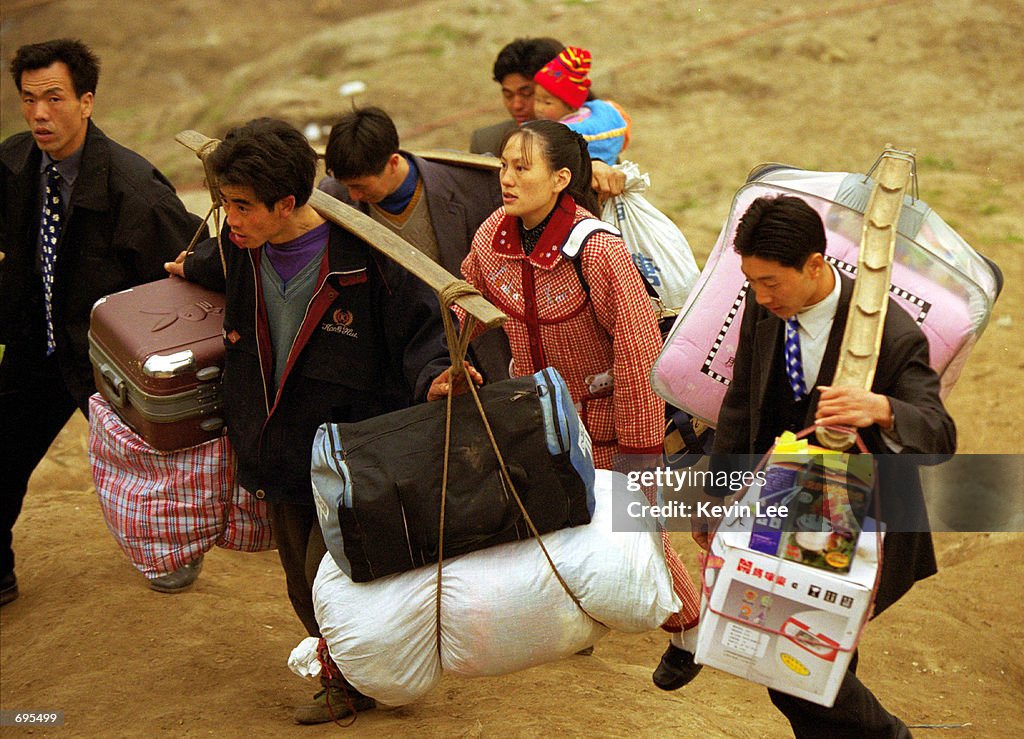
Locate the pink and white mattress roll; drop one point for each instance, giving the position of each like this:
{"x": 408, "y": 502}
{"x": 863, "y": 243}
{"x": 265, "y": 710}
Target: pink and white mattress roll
{"x": 946, "y": 286}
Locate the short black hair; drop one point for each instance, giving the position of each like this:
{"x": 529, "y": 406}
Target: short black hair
{"x": 360, "y": 144}
{"x": 269, "y": 156}
{"x": 83, "y": 64}
{"x": 525, "y": 56}
{"x": 783, "y": 229}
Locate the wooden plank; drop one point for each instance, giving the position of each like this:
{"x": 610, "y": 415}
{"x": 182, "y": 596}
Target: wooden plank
{"x": 862, "y": 339}
{"x": 463, "y": 158}
{"x": 378, "y": 236}
{"x": 444, "y": 156}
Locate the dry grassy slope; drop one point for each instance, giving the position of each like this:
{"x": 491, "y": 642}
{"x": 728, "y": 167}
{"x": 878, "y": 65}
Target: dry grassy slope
{"x": 816, "y": 87}
{"x": 713, "y": 91}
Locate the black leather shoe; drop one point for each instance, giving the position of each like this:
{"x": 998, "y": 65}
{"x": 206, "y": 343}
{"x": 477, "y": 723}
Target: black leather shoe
{"x": 676, "y": 669}
{"x": 180, "y": 580}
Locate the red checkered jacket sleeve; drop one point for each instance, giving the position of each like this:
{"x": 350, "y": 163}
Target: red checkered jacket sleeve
{"x": 624, "y": 310}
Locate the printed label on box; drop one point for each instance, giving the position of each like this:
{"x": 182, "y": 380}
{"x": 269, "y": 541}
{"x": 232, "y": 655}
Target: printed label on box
{"x": 744, "y": 640}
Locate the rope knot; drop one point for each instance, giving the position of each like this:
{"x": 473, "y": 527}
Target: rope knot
{"x": 206, "y": 149}
{"x": 454, "y": 290}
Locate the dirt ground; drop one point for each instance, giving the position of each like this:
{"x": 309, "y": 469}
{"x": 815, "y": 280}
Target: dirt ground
{"x": 712, "y": 92}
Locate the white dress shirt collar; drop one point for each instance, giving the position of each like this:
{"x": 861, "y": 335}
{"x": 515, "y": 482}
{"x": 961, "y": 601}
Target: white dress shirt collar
{"x": 815, "y": 325}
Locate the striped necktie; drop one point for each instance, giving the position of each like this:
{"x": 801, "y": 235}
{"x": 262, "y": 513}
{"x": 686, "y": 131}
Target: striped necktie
{"x": 794, "y": 367}
{"x": 49, "y": 234}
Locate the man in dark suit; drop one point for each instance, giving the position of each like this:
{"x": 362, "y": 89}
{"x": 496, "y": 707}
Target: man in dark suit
{"x": 435, "y": 206}
{"x": 83, "y": 217}
{"x": 782, "y": 242}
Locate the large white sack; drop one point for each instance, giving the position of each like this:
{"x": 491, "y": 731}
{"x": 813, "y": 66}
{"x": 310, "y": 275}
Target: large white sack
{"x": 506, "y": 612}
{"x": 502, "y": 608}
{"x": 656, "y": 244}
{"x": 620, "y": 577}
{"x": 380, "y": 633}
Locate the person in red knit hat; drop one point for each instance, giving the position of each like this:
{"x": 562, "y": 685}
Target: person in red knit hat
{"x": 563, "y": 94}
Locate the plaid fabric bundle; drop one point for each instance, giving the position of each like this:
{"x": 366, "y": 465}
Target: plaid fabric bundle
{"x": 167, "y": 508}
{"x": 246, "y": 520}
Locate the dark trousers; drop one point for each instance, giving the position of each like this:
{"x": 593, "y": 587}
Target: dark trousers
{"x": 856, "y": 714}
{"x": 33, "y": 410}
{"x": 300, "y": 545}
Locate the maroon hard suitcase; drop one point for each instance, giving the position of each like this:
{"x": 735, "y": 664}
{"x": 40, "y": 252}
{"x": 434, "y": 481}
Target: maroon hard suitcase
{"x": 157, "y": 353}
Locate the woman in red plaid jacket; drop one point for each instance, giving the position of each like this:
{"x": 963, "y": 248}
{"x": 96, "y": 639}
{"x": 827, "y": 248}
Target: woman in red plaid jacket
{"x": 591, "y": 320}
{"x": 605, "y": 343}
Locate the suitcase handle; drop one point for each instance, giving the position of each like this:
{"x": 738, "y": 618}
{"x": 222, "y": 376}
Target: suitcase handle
{"x": 116, "y": 384}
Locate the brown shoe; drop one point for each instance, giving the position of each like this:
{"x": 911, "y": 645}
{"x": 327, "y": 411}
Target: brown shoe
{"x": 338, "y": 700}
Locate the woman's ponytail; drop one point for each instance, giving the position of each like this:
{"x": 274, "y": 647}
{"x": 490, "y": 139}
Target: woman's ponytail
{"x": 580, "y": 187}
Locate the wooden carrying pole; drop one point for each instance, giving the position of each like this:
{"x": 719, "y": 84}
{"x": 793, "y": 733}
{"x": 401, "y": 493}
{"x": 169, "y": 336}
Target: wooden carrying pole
{"x": 377, "y": 236}
{"x": 858, "y": 356}
{"x": 462, "y": 158}
{"x": 486, "y": 162}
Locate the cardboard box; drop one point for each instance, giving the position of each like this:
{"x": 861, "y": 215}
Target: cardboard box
{"x": 825, "y": 497}
{"x": 783, "y": 624}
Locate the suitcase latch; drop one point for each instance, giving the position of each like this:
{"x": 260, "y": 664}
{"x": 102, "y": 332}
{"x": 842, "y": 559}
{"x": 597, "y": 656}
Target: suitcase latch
{"x": 208, "y": 396}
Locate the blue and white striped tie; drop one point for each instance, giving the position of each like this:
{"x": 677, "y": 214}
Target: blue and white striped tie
{"x": 794, "y": 367}
{"x": 49, "y": 234}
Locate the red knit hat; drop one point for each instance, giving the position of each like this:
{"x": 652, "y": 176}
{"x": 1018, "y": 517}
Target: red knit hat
{"x": 565, "y": 76}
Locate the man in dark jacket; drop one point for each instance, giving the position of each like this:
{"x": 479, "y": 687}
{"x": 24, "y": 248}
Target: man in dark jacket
{"x": 83, "y": 217}
{"x": 318, "y": 327}
{"x": 436, "y": 206}
{"x": 514, "y": 68}
{"x": 790, "y": 337}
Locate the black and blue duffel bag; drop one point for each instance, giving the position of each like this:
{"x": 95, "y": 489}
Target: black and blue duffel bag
{"x": 377, "y": 483}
